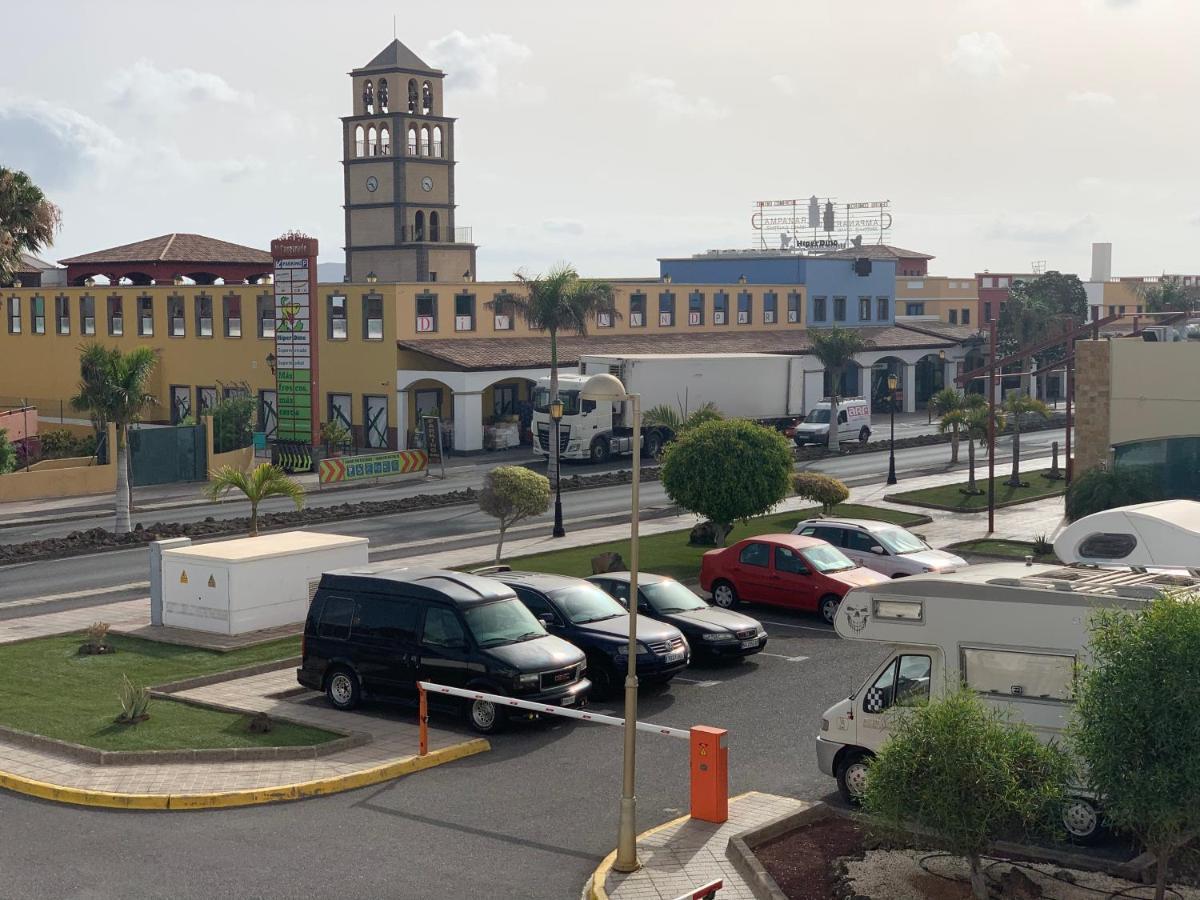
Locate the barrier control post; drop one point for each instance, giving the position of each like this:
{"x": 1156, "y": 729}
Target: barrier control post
{"x": 710, "y": 774}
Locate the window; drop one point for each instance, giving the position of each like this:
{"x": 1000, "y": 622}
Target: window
{"x": 834, "y": 536}
{"x": 336, "y": 618}
{"x": 381, "y": 621}
{"x": 1121, "y": 309}
{"x": 62, "y": 315}
{"x": 695, "y": 308}
{"x": 745, "y": 308}
{"x": 864, "y": 309}
{"x": 905, "y": 682}
{"x": 988, "y": 281}
{"x": 502, "y": 314}
{"x": 987, "y": 312}
{"x": 335, "y": 313}
{"x": 14, "y": 315}
{"x": 953, "y": 316}
{"x": 266, "y": 316}
{"x": 181, "y": 403}
{"x": 38, "y": 314}
{"x": 339, "y": 411}
{"x": 966, "y": 315}
{"x": 1112, "y": 310}
{"x": 637, "y": 310}
{"x": 859, "y": 541}
{"x": 1018, "y": 673}
{"x": 914, "y": 309}
{"x": 666, "y": 310}
{"x": 793, "y": 301}
{"x": 175, "y": 321}
{"x": 426, "y": 313}
{"x": 206, "y": 398}
{"x": 819, "y": 311}
{"x": 146, "y": 317}
{"x": 916, "y": 285}
{"x": 755, "y": 554}
{"x": 504, "y": 400}
{"x": 1002, "y": 281}
{"x": 881, "y": 309}
{"x": 231, "y": 315}
{"x": 359, "y": 141}
{"x": 464, "y": 312}
{"x": 434, "y": 228}
{"x": 375, "y": 421}
{"x": 268, "y": 413}
{"x": 540, "y": 606}
{"x": 839, "y": 309}
{"x": 788, "y": 561}
{"x": 770, "y": 308}
{"x": 1107, "y": 546}
{"x": 443, "y": 629}
{"x": 720, "y": 308}
{"x": 373, "y": 317}
{"x": 87, "y": 315}
{"x": 204, "y": 315}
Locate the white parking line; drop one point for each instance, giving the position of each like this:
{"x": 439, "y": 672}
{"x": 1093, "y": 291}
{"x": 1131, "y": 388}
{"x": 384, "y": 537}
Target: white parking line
{"x": 695, "y": 682}
{"x": 791, "y": 625}
{"x": 781, "y": 656}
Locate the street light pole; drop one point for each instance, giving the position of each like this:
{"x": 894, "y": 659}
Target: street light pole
{"x": 556, "y": 413}
{"x": 891, "y": 381}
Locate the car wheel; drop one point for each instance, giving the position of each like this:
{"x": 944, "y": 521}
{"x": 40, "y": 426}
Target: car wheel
{"x": 829, "y": 607}
{"x": 603, "y": 679}
{"x": 599, "y": 450}
{"x": 486, "y": 717}
{"x": 342, "y": 689}
{"x": 724, "y": 595}
{"x": 852, "y": 777}
{"x": 864, "y": 435}
{"x": 652, "y": 445}
{"x": 1081, "y": 819}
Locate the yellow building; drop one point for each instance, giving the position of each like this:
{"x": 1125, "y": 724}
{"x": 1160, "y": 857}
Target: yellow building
{"x": 950, "y": 299}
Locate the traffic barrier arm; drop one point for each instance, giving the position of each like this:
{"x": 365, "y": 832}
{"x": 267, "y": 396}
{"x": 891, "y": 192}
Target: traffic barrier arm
{"x": 704, "y": 892}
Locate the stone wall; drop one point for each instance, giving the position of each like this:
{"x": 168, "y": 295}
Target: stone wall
{"x": 1093, "y": 399}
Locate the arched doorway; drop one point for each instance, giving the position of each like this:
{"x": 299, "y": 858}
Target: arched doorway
{"x": 930, "y": 377}
{"x": 507, "y": 414}
{"x": 971, "y": 362}
{"x": 428, "y": 397}
{"x": 881, "y": 395}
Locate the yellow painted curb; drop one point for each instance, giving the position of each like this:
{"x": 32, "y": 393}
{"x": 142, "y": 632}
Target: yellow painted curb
{"x": 251, "y": 797}
{"x": 595, "y": 889}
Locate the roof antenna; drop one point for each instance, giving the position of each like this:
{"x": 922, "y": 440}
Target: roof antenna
{"x": 393, "y": 26}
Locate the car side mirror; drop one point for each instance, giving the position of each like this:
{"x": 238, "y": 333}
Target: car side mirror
{"x": 877, "y": 550}
{"x": 546, "y": 619}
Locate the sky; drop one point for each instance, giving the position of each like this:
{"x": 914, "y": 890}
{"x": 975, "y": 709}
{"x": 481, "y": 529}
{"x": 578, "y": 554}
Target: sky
{"x": 610, "y": 134}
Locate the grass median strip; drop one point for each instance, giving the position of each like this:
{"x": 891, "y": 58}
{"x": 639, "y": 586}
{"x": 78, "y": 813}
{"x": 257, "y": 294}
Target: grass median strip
{"x": 951, "y": 497}
{"x": 670, "y": 553}
{"x": 52, "y": 691}
{"x": 1004, "y": 549}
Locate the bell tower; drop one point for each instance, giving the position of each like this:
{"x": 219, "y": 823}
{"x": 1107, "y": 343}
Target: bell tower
{"x": 398, "y": 159}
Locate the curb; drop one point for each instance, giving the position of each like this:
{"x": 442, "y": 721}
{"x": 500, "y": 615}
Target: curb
{"x": 740, "y": 849}
{"x": 250, "y": 797}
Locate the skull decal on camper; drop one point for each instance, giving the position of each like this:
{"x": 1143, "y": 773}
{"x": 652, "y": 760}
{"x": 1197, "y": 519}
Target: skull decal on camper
{"x": 856, "y": 616}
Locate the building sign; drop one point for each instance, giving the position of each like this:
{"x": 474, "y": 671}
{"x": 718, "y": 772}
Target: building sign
{"x": 819, "y": 224}
{"x": 377, "y": 465}
{"x": 431, "y": 428}
{"x": 297, "y": 417}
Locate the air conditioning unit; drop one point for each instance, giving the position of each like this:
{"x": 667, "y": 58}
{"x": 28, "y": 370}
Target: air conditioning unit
{"x": 1160, "y": 334}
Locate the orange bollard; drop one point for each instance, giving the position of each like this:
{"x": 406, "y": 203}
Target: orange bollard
{"x": 710, "y": 774}
{"x": 423, "y": 716}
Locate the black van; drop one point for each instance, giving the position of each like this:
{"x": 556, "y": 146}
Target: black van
{"x": 378, "y": 631}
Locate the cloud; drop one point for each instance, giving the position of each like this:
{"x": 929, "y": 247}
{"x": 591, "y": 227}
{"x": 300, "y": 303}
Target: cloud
{"x": 664, "y": 96}
{"x": 1095, "y": 99}
{"x": 473, "y": 63}
{"x": 144, "y": 88}
{"x": 981, "y": 55}
{"x": 55, "y": 144}
{"x": 563, "y": 226}
{"x": 783, "y": 84}
{"x": 1039, "y": 228}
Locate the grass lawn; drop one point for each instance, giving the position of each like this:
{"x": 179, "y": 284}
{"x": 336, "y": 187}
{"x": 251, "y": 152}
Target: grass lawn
{"x": 52, "y": 691}
{"x": 1005, "y": 549}
{"x": 670, "y": 554}
{"x": 951, "y": 496}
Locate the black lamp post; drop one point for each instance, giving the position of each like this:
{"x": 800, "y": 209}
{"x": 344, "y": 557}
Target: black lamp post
{"x": 556, "y": 413}
{"x": 891, "y": 383}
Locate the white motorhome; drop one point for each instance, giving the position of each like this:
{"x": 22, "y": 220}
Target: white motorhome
{"x": 1015, "y": 633}
{"x": 1164, "y": 534}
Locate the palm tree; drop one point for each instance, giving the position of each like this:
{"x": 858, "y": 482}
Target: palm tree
{"x": 945, "y": 403}
{"x": 113, "y": 389}
{"x": 258, "y": 484}
{"x": 28, "y": 221}
{"x": 836, "y": 348}
{"x": 677, "y": 421}
{"x": 1015, "y": 406}
{"x": 558, "y": 301}
{"x": 973, "y": 420}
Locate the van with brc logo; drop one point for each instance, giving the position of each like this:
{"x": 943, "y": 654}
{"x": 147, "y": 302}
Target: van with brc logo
{"x": 854, "y": 422}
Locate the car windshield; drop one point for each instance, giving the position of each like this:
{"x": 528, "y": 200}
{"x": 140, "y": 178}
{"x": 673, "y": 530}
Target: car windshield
{"x": 586, "y": 603}
{"x": 898, "y": 541}
{"x": 818, "y": 417}
{"x": 503, "y": 622}
{"x": 671, "y": 597}
{"x": 828, "y": 559}
{"x": 570, "y": 401}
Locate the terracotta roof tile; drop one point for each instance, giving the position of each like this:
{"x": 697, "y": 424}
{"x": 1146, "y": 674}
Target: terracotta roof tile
{"x": 181, "y": 248}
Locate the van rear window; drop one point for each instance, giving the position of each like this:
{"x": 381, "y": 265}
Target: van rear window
{"x": 336, "y": 618}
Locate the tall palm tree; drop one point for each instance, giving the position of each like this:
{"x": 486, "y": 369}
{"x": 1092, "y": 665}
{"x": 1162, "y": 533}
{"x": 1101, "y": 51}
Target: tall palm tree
{"x": 28, "y": 221}
{"x": 558, "y": 301}
{"x": 944, "y": 404}
{"x": 113, "y": 389}
{"x": 258, "y": 484}
{"x": 1015, "y": 406}
{"x": 973, "y": 420}
{"x": 836, "y": 349}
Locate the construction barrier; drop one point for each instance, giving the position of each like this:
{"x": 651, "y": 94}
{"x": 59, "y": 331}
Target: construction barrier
{"x": 293, "y": 457}
{"x": 704, "y": 892}
{"x": 377, "y": 465}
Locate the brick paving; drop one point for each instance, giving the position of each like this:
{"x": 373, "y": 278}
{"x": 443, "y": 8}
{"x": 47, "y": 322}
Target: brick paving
{"x": 688, "y": 854}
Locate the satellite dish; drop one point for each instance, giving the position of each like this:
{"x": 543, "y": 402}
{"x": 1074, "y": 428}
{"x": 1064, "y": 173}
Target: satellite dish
{"x": 857, "y": 242}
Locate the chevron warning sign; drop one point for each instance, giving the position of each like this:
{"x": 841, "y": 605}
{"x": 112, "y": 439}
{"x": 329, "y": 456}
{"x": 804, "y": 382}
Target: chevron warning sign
{"x": 377, "y": 465}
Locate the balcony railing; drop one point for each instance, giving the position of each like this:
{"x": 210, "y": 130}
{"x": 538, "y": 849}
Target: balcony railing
{"x": 433, "y": 150}
{"x": 412, "y": 235}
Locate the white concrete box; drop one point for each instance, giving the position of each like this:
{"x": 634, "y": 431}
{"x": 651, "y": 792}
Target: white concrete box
{"x": 232, "y": 587}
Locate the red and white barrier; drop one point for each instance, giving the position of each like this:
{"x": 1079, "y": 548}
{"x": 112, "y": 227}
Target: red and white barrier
{"x": 706, "y": 892}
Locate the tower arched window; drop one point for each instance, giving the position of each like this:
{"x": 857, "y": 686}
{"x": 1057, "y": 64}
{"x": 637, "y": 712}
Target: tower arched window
{"x": 359, "y": 146}
{"x": 385, "y": 141}
{"x": 433, "y": 227}
{"x": 372, "y": 146}
{"x": 412, "y": 96}
{"x": 412, "y": 140}
{"x": 419, "y": 226}
{"x": 383, "y": 95}
{"x": 368, "y": 97}
{"x": 427, "y": 98}
{"x": 424, "y": 140}
{"x": 438, "y": 150}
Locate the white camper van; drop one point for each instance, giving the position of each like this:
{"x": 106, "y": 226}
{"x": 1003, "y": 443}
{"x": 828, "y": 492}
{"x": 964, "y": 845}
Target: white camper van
{"x": 1015, "y": 633}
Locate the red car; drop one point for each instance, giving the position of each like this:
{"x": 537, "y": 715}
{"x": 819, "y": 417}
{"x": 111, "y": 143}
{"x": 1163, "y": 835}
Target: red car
{"x": 784, "y": 570}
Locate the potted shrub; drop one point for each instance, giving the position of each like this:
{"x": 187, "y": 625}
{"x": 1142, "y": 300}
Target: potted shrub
{"x": 96, "y": 640}
{"x": 336, "y": 438}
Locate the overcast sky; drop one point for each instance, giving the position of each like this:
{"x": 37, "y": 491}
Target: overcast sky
{"x": 609, "y": 134}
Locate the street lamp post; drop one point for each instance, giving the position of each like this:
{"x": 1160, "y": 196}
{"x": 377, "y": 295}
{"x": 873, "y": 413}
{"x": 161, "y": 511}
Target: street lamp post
{"x": 891, "y": 383}
{"x": 556, "y": 414}
{"x": 610, "y": 389}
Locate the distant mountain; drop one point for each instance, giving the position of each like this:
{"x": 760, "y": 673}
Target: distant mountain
{"x": 330, "y": 273}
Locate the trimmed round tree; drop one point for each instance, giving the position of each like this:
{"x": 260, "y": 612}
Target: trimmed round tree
{"x": 513, "y": 493}
{"x": 728, "y": 471}
{"x": 821, "y": 488}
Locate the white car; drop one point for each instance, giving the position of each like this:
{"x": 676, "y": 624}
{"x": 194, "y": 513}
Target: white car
{"x": 882, "y": 546}
{"x": 854, "y": 422}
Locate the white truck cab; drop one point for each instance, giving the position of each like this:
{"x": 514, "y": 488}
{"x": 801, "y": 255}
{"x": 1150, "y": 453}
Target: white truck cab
{"x": 854, "y": 422}
{"x": 1013, "y": 632}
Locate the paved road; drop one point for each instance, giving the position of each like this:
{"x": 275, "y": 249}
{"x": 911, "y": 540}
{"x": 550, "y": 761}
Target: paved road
{"x": 530, "y": 819}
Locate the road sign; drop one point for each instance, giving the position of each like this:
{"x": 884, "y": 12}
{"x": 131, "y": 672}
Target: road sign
{"x": 432, "y": 429}
{"x": 377, "y": 465}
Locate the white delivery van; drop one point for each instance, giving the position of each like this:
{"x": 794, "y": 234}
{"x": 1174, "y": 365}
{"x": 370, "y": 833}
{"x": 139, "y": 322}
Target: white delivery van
{"x": 1013, "y": 632}
{"x": 854, "y": 422}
